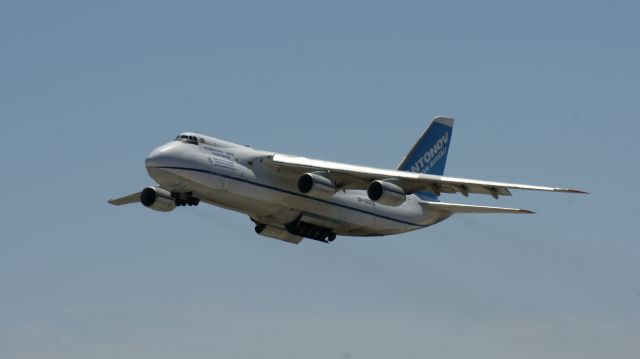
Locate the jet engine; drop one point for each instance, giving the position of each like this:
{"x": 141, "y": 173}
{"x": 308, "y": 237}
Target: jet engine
{"x": 386, "y": 193}
{"x": 316, "y": 185}
{"x": 158, "y": 199}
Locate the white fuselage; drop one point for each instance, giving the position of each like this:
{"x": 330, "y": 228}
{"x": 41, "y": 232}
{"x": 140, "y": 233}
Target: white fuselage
{"x": 239, "y": 178}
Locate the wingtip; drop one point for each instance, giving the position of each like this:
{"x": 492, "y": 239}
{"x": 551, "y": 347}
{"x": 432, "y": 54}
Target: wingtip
{"x": 571, "y": 190}
{"x": 526, "y": 211}
{"x": 578, "y": 191}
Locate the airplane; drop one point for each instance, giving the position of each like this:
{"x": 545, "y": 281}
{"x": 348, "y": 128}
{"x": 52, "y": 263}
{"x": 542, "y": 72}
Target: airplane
{"x": 290, "y": 197}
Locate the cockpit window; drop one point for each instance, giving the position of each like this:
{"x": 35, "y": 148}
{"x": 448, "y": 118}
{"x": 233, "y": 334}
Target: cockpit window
{"x": 187, "y": 139}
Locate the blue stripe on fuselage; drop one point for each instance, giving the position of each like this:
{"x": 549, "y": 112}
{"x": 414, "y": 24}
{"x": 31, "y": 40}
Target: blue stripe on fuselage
{"x": 291, "y": 193}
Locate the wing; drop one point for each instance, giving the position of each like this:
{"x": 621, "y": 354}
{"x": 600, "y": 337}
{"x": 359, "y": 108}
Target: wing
{"x": 351, "y": 176}
{"x": 132, "y": 198}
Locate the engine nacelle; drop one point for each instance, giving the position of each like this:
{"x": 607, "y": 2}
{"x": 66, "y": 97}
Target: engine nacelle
{"x": 158, "y": 199}
{"x": 316, "y": 185}
{"x": 277, "y": 233}
{"x": 386, "y": 193}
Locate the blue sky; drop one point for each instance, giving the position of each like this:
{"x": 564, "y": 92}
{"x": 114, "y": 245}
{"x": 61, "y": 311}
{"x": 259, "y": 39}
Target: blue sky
{"x": 543, "y": 93}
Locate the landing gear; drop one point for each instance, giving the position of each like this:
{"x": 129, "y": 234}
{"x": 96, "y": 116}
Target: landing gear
{"x": 193, "y": 201}
{"x": 299, "y": 228}
{"x": 260, "y": 227}
{"x": 311, "y": 231}
{"x": 185, "y": 199}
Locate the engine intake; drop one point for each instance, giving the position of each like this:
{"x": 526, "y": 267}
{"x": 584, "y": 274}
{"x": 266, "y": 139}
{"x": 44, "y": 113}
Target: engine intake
{"x": 158, "y": 199}
{"x": 316, "y": 185}
{"x": 386, "y": 193}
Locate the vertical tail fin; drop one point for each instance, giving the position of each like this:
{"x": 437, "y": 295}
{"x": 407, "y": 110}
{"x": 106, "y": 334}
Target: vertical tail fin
{"x": 429, "y": 154}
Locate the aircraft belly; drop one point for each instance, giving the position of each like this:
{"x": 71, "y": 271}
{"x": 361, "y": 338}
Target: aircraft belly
{"x": 348, "y": 212}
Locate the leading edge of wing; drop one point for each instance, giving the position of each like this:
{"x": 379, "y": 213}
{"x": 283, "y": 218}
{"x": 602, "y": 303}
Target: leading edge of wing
{"x": 415, "y": 181}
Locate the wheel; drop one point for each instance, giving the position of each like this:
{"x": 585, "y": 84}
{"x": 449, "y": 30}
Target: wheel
{"x": 331, "y": 237}
{"x": 259, "y": 228}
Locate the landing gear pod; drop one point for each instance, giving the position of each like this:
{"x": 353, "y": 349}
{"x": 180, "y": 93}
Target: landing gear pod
{"x": 277, "y": 233}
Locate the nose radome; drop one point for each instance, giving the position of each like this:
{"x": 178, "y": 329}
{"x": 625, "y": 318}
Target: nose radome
{"x": 162, "y": 156}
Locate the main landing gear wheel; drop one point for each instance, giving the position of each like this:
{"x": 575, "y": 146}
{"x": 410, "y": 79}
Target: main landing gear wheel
{"x": 185, "y": 199}
{"x": 259, "y": 227}
{"x": 193, "y": 201}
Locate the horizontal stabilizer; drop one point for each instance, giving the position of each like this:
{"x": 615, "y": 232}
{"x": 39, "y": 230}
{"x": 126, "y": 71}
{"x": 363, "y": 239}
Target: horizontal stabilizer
{"x": 132, "y": 198}
{"x": 467, "y": 208}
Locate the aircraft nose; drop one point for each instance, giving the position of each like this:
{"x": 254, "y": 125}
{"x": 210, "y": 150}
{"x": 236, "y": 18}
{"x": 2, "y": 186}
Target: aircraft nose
{"x": 164, "y": 155}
